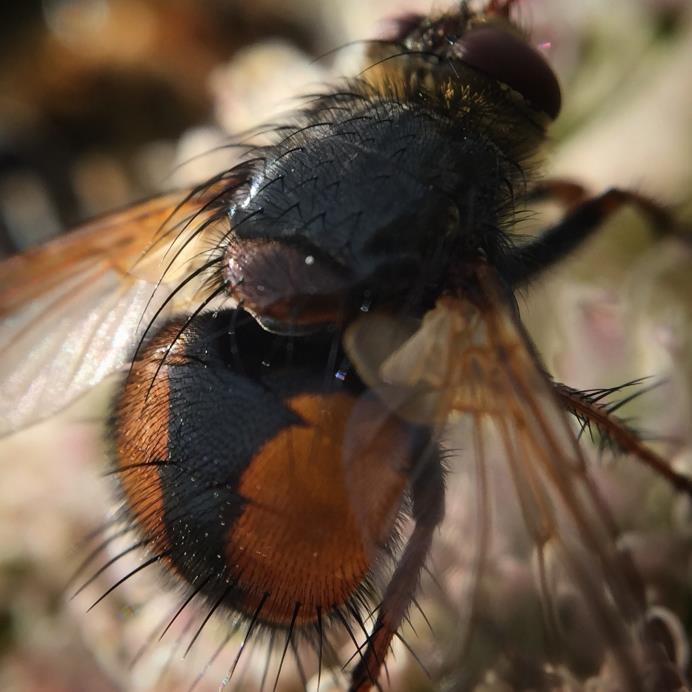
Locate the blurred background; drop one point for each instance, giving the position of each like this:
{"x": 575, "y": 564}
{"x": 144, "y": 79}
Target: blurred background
{"x": 103, "y": 102}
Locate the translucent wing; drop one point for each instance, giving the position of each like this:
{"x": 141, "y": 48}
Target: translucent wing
{"x": 471, "y": 359}
{"x": 73, "y": 311}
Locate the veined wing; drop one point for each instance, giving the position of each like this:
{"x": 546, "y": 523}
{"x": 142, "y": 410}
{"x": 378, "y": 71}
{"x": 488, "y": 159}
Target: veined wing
{"x": 73, "y": 311}
{"x": 471, "y": 358}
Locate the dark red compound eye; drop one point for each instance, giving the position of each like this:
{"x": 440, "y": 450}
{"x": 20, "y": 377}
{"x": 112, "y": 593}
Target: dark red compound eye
{"x": 509, "y": 59}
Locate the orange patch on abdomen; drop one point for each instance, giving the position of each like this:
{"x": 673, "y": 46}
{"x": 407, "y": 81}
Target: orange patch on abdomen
{"x": 141, "y": 442}
{"x": 321, "y": 500}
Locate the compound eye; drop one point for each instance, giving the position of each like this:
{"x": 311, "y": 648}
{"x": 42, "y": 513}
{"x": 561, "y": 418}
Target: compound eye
{"x": 509, "y": 59}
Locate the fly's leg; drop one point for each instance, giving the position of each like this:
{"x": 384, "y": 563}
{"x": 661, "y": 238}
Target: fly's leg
{"x": 570, "y": 194}
{"x": 591, "y": 413}
{"x": 567, "y": 193}
{"x": 584, "y": 218}
{"x": 428, "y": 496}
{"x": 663, "y": 667}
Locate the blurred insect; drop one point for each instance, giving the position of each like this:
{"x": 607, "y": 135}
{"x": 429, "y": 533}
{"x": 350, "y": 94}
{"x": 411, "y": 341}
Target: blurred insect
{"x": 301, "y": 328}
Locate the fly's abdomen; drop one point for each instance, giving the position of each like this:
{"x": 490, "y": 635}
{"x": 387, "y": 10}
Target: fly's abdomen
{"x": 268, "y": 482}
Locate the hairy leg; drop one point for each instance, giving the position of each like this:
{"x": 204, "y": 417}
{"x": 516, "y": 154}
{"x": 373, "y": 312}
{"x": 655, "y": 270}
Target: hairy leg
{"x": 428, "y": 510}
{"x": 584, "y": 218}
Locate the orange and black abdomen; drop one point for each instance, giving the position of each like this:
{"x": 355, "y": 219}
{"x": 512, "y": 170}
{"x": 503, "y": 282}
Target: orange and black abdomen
{"x": 259, "y": 468}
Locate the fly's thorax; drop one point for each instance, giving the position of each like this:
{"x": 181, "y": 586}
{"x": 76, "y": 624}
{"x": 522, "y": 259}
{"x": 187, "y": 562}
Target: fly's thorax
{"x": 371, "y": 196}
